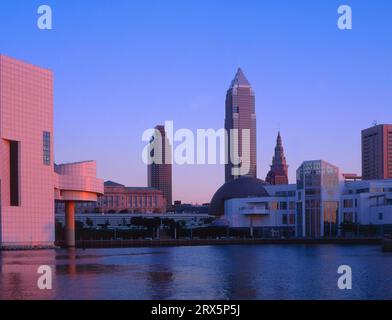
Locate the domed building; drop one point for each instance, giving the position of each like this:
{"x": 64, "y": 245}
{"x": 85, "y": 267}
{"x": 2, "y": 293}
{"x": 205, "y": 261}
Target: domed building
{"x": 249, "y": 203}
{"x": 244, "y": 187}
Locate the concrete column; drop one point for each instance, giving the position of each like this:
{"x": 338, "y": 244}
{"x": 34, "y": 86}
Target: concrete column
{"x": 70, "y": 224}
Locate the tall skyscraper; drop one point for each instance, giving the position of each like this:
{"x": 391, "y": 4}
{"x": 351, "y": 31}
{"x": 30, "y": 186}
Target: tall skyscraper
{"x": 160, "y": 172}
{"x": 377, "y": 152}
{"x": 240, "y": 114}
{"x": 279, "y": 169}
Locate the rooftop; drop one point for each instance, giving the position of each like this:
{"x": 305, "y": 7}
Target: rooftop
{"x": 240, "y": 79}
{"x": 115, "y": 184}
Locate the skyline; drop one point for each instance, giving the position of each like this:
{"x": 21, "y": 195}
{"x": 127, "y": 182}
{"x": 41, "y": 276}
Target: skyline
{"x": 347, "y": 76}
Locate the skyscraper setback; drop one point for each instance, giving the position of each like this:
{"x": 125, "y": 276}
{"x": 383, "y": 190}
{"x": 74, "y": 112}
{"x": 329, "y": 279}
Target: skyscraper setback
{"x": 160, "y": 172}
{"x": 279, "y": 168}
{"x": 377, "y": 152}
{"x": 240, "y": 115}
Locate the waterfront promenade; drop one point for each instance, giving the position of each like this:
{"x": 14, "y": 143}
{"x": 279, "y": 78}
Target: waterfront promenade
{"x": 208, "y": 242}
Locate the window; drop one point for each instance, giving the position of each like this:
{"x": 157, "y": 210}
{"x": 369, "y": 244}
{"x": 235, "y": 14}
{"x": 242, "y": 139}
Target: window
{"x": 283, "y": 206}
{"x": 136, "y": 202}
{"x": 110, "y": 201}
{"x": 274, "y": 206}
{"x": 14, "y": 174}
{"x": 348, "y": 217}
{"x": 348, "y": 203}
{"x": 46, "y": 148}
{"x": 284, "y": 219}
{"x": 380, "y": 216}
{"x": 359, "y": 191}
{"x": 312, "y": 192}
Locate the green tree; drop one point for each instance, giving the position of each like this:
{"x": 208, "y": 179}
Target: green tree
{"x": 89, "y": 222}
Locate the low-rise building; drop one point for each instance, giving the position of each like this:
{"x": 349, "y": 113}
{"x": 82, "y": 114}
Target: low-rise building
{"x": 367, "y": 203}
{"x": 321, "y": 204}
{"x": 180, "y": 207}
{"x": 118, "y": 198}
{"x": 272, "y": 216}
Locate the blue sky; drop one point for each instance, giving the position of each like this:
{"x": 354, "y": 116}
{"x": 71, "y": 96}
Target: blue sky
{"x": 123, "y": 66}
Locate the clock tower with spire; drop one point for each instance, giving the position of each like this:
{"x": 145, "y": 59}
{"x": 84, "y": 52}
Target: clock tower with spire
{"x": 279, "y": 168}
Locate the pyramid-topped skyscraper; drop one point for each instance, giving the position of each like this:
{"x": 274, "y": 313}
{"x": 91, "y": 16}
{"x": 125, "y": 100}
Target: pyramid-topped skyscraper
{"x": 240, "y": 114}
{"x": 240, "y": 79}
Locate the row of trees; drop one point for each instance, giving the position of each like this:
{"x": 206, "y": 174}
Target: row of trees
{"x": 101, "y": 210}
{"x": 148, "y": 228}
{"x": 352, "y": 228}
{"x": 156, "y": 227}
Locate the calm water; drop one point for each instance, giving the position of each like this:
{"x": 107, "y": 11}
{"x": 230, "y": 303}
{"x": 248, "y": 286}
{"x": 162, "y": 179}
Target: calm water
{"x": 212, "y": 272}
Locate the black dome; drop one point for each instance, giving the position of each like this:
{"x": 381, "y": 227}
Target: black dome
{"x": 243, "y": 187}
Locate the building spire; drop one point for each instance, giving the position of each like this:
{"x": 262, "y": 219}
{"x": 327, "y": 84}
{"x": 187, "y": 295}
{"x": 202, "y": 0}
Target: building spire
{"x": 279, "y": 141}
{"x": 240, "y": 79}
{"x": 279, "y": 168}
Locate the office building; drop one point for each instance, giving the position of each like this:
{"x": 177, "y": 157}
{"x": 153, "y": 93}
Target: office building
{"x": 367, "y": 203}
{"x": 377, "y": 152}
{"x": 240, "y": 115}
{"x": 118, "y": 198}
{"x": 159, "y": 173}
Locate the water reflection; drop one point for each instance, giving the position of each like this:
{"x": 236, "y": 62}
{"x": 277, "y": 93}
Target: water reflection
{"x": 19, "y": 275}
{"x": 71, "y": 267}
{"x": 211, "y": 272}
